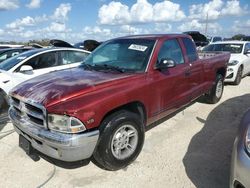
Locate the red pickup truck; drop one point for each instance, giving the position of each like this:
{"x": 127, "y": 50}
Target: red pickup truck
{"x": 100, "y": 109}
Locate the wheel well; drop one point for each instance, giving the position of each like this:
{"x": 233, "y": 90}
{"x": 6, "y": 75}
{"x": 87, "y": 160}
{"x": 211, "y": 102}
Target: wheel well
{"x": 2, "y": 92}
{"x": 221, "y": 71}
{"x": 135, "y": 107}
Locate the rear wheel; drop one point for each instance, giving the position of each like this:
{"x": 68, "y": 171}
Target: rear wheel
{"x": 238, "y": 76}
{"x": 216, "y": 92}
{"x": 121, "y": 140}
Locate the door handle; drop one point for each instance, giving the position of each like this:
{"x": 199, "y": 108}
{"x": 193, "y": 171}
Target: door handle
{"x": 187, "y": 73}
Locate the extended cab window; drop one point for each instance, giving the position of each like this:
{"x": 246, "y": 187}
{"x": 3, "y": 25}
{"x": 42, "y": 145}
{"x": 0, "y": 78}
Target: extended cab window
{"x": 43, "y": 61}
{"x": 68, "y": 57}
{"x": 190, "y": 49}
{"x": 171, "y": 50}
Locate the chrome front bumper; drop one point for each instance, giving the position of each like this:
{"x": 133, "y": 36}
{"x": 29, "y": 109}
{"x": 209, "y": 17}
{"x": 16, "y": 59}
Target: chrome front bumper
{"x": 64, "y": 147}
{"x": 240, "y": 166}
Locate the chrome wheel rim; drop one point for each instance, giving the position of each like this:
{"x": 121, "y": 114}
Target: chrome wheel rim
{"x": 219, "y": 89}
{"x": 124, "y": 142}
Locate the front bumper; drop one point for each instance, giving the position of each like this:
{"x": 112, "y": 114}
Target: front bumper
{"x": 64, "y": 147}
{"x": 240, "y": 166}
{"x": 231, "y": 73}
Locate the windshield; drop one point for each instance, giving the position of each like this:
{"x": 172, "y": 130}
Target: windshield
{"x": 13, "y": 61}
{"x": 233, "y": 48}
{"x": 124, "y": 54}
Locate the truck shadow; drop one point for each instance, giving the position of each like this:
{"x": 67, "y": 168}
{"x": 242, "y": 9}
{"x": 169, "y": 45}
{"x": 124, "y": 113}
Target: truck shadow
{"x": 207, "y": 161}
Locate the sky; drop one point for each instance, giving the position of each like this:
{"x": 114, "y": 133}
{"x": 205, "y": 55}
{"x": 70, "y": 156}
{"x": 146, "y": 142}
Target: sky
{"x": 78, "y": 20}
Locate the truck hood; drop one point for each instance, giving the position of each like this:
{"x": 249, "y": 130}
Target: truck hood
{"x": 51, "y": 88}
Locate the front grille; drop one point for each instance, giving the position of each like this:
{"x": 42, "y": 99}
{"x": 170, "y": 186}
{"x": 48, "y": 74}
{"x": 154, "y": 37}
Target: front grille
{"x": 29, "y": 111}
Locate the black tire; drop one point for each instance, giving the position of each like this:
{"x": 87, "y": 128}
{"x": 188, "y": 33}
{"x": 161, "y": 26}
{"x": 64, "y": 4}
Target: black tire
{"x": 103, "y": 155}
{"x": 212, "y": 97}
{"x": 238, "y": 76}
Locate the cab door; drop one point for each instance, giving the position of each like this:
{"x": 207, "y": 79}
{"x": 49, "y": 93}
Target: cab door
{"x": 170, "y": 86}
{"x": 195, "y": 68}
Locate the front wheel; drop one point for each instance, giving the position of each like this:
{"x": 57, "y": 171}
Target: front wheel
{"x": 238, "y": 76}
{"x": 121, "y": 140}
{"x": 3, "y": 104}
{"x": 216, "y": 92}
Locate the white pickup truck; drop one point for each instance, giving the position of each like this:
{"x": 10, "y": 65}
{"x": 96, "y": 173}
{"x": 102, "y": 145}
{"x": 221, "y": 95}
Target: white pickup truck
{"x": 34, "y": 63}
{"x": 239, "y": 63}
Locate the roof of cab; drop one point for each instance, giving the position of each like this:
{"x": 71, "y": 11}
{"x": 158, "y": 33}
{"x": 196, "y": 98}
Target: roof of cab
{"x": 154, "y": 36}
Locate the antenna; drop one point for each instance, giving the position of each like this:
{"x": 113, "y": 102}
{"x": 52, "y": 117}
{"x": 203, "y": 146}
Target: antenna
{"x": 206, "y": 25}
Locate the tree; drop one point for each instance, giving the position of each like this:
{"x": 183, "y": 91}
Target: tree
{"x": 238, "y": 37}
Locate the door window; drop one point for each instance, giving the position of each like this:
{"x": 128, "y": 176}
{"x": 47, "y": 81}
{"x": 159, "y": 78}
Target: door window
{"x": 190, "y": 49}
{"x": 68, "y": 57}
{"x": 171, "y": 50}
{"x": 247, "y": 47}
{"x": 43, "y": 61}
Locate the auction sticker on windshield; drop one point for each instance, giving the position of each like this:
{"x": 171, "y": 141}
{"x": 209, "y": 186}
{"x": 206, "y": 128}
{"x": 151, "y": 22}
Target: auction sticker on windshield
{"x": 21, "y": 58}
{"x": 137, "y": 47}
{"x": 235, "y": 46}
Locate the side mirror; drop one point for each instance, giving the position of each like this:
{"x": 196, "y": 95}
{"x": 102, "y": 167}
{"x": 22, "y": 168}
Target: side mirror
{"x": 26, "y": 68}
{"x": 165, "y": 63}
{"x": 247, "y": 52}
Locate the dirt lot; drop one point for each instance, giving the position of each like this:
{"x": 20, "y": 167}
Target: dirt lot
{"x": 192, "y": 149}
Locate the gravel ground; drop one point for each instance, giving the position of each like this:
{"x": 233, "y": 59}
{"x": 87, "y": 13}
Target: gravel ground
{"x": 192, "y": 149}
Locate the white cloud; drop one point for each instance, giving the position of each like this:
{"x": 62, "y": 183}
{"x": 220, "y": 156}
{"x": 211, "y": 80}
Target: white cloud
{"x": 116, "y": 13}
{"x": 61, "y": 13}
{"x": 27, "y": 21}
{"x": 233, "y": 8}
{"x": 212, "y": 28}
{"x": 9, "y": 4}
{"x": 216, "y": 9}
{"x": 56, "y": 27}
{"x": 1, "y": 32}
{"x": 27, "y": 34}
{"x": 212, "y": 9}
{"x": 162, "y": 28}
{"x": 96, "y": 30}
{"x": 143, "y": 12}
{"x": 241, "y": 27}
{"x": 34, "y": 4}
{"x": 167, "y": 11}
{"x": 130, "y": 30}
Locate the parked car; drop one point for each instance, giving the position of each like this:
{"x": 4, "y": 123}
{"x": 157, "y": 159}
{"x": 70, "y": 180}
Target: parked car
{"x": 10, "y": 52}
{"x": 215, "y": 39}
{"x": 240, "y": 166}
{"x": 89, "y": 45}
{"x": 199, "y": 39}
{"x": 2, "y": 46}
{"x": 246, "y": 38}
{"x": 239, "y": 64}
{"x": 102, "y": 107}
{"x": 33, "y": 63}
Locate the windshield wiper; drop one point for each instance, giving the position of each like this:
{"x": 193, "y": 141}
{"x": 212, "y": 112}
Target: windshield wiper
{"x": 87, "y": 66}
{"x": 110, "y": 67}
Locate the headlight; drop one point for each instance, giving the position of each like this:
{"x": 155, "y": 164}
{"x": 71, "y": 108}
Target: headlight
{"x": 233, "y": 62}
{"x": 65, "y": 124}
{"x": 247, "y": 141}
